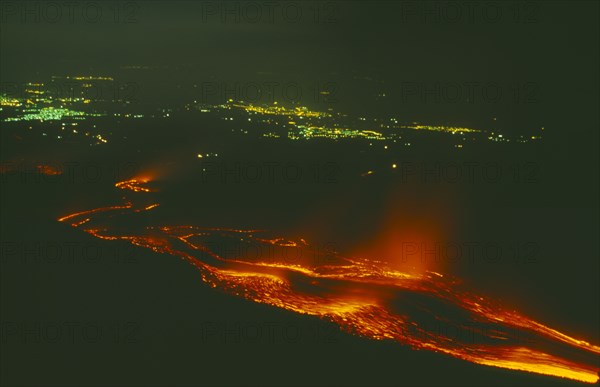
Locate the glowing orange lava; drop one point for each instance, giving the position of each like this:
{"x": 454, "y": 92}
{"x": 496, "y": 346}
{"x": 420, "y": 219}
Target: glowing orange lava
{"x": 364, "y": 297}
{"x": 135, "y": 185}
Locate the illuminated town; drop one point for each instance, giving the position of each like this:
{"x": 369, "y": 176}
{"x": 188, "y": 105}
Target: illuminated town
{"x": 47, "y": 102}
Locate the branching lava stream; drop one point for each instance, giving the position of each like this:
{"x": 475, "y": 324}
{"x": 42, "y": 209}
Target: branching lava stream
{"x": 424, "y": 311}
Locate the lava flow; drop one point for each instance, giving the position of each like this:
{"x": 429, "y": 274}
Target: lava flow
{"x": 424, "y": 311}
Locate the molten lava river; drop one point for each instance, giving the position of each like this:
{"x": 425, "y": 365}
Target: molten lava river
{"x": 364, "y": 297}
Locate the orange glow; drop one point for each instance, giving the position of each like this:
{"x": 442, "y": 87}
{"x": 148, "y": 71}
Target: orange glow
{"x": 49, "y": 170}
{"x": 403, "y": 247}
{"x": 44, "y": 169}
{"x": 134, "y": 185}
{"x": 405, "y": 240}
{"x": 376, "y": 299}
